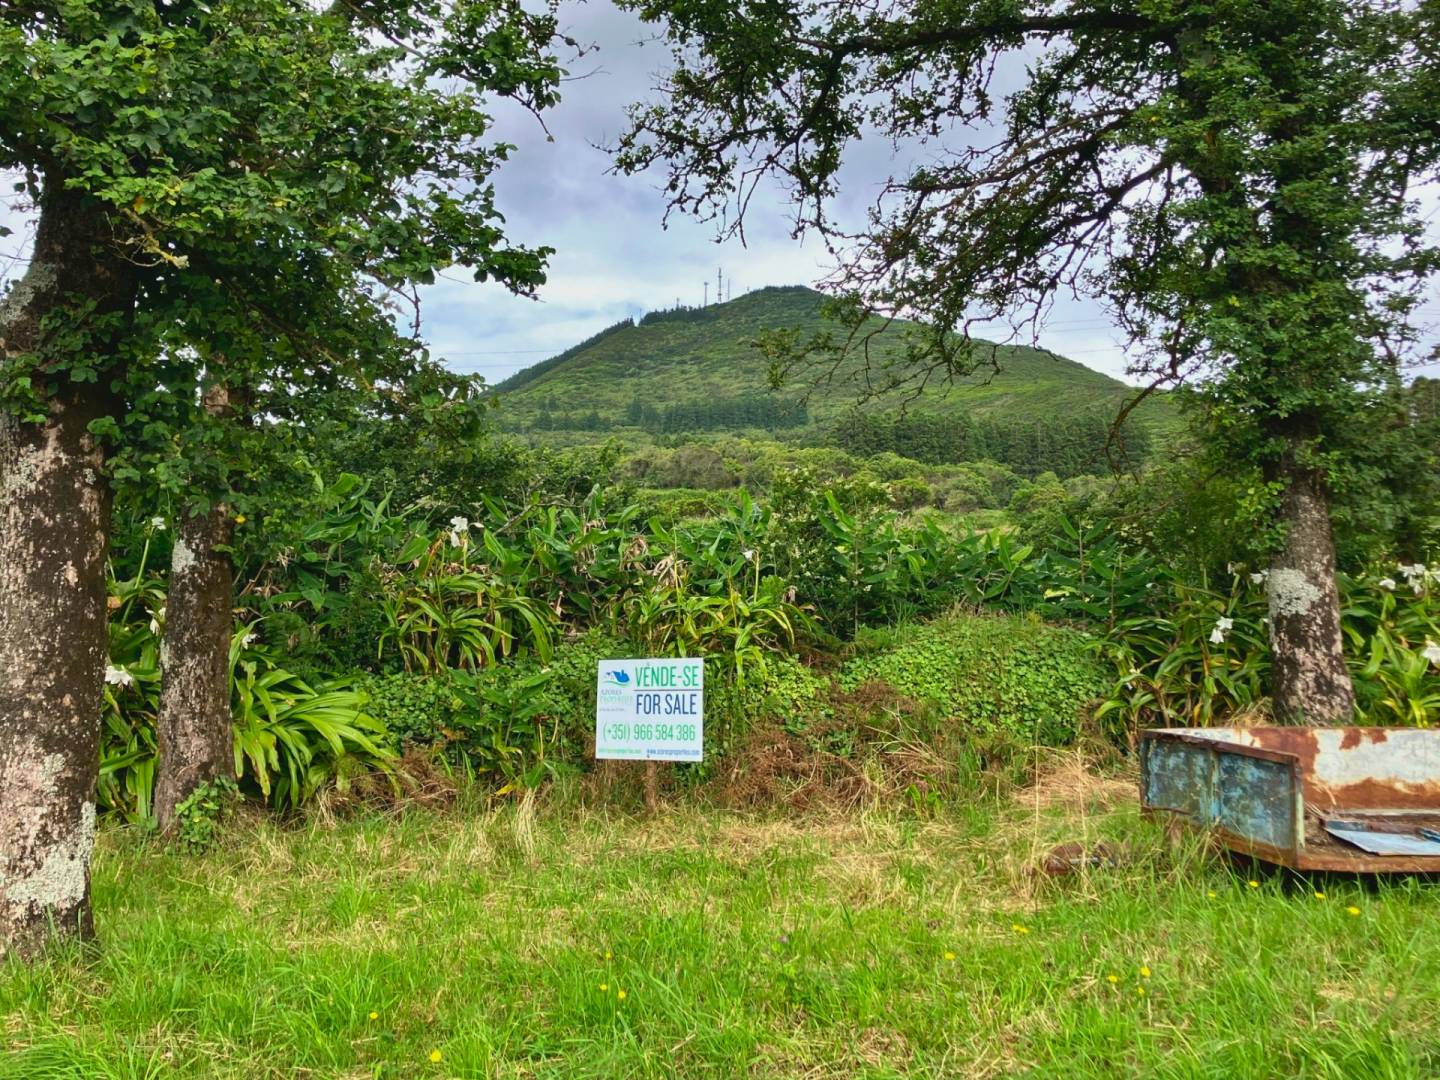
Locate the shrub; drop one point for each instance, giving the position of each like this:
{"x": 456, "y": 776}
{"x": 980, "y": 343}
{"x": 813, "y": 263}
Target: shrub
{"x": 503, "y": 720}
{"x": 1206, "y": 658}
{"x": 199, "y": 817}
{"x": 414, "y": 709}
{"x": 993, "y": 674}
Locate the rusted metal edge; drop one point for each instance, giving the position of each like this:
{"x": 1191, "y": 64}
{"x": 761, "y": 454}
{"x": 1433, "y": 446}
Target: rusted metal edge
{"x": 1304, "y": 859}
{"x": 1220, "y": 744}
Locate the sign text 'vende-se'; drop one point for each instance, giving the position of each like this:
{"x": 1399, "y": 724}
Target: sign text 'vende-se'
{"x": 650, "y": 710}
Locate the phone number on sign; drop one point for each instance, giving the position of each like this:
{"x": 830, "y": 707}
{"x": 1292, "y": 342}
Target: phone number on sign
{"x": 651, "y": 732}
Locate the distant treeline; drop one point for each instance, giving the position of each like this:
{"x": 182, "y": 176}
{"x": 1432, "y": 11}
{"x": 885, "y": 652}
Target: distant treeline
{"x": 530, "y": 374}
{"x": 718, "y": 414}
{"x": 681, "y": 313}
{"x": 1067, "y": 446}
{"x": 708, "y": 414}
{"x": 565, "y": 421}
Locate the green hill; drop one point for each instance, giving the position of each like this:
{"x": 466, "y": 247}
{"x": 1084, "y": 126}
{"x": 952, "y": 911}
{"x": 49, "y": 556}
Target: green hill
{"x": 689, "y": 371}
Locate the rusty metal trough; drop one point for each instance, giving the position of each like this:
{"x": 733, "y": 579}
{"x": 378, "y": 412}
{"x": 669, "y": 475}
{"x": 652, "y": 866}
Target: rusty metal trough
{"x": 1359, "y": 799}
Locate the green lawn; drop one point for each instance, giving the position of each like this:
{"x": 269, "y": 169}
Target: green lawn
{"x": 578, "y": 944}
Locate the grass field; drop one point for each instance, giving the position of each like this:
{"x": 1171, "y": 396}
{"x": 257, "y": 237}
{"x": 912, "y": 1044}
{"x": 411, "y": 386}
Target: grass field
{"x": 565, "y": 943}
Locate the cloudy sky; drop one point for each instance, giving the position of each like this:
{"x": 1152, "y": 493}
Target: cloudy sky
{"x": 614, "y": 257}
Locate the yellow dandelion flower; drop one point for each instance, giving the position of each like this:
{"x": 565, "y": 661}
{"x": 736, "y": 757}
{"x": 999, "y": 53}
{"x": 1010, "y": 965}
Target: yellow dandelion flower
{"x": 607, "y": 954}
{"x": 621, "y": 995}
{"x": 435, "y": 1056}
{"x": 1254, "y": 884}
{"x": 1140, "y": 990}
{"x": 374, "y": 1016}
{"x": 239, "y": 519}
{"x": 1019, "y": 929}
{"x": 1113, "y": 979}
{"x": 604, "y": 987}
{"x": 1212, "y": 894}
{"x": 1353, "y": 910}
{"x": 1144, "y": 972}
{"x": 949, "y": 956}
{"x": 1319, "y": 895}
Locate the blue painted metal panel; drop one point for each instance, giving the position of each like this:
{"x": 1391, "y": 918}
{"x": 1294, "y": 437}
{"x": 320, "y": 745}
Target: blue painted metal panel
{"x": 1180, "y": 777}
{"x": 1220, "y": 783}
{"x": 1255, "y": 799}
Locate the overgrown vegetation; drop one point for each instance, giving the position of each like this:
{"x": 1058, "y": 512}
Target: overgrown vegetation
{"x": 829, "y": 613}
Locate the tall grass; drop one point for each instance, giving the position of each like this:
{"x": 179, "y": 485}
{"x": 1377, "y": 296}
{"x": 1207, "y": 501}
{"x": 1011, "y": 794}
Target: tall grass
{"x": 874, "y": 945}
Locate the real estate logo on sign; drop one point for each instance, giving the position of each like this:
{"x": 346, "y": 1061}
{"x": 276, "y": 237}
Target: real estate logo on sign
{"x": 650, "y": 710}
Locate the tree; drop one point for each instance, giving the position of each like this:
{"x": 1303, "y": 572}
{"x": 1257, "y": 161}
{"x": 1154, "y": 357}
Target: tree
{"x": 1235, "y": 181}
{"x": 185, "y": 160}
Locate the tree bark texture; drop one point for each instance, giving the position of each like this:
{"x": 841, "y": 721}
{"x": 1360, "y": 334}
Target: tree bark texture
{"x": 1310, "y": 681}
{"x": 193, "y": 726}
{"x": 54, "y": 523}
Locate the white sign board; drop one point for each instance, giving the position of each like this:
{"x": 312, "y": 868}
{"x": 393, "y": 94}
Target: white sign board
{"x": 650, "y": 710}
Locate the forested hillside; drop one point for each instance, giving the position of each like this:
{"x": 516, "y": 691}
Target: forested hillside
{"x": 695, "y": 370}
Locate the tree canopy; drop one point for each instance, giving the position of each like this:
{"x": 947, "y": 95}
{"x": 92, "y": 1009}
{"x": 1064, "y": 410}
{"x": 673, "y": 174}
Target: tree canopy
{"x": 232, "y": 200}
{"x": 1235, "y": 180}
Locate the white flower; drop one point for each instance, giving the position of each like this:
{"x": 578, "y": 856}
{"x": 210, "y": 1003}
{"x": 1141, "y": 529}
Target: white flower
{"x": 1223, "y": 623}
{"x": 749, "y": 554}
{"x": 1258, "y": 578}
{"x": 1217, "y": 636}
{"x": 157, "y": 523}
{"x": 247, "y": 640}
{"x": 157, "y": 621}
{"x": 1229, "y": 568}
{"x": 118, "y": 676}
{"x": 458, "y": 525}
{"x": 1387, "y": 583}
{"x": 1431, "y": 652}
{"x": 1413, "y": 571}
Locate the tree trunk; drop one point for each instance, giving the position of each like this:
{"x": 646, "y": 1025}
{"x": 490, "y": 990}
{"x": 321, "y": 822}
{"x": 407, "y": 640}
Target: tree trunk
{"x": 1310, "y": 681}
{"x": 54, "y": 523}
{"x": 193, "y": 726}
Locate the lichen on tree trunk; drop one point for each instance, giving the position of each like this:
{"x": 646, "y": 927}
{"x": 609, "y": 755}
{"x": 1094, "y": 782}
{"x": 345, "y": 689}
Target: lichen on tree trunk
{"x": 193, "y": 726}
{"x": 52, "y": 660}
{"x": 1310, "y": 681}
{"x": 54, "y": 522}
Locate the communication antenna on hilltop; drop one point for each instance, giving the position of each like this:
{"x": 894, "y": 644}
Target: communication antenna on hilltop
{"x": 719, "y": 285}
{"x": 705, "y": 302}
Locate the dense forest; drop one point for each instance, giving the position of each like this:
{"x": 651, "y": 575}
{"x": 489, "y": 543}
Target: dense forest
{"x": 1067, "y": 445}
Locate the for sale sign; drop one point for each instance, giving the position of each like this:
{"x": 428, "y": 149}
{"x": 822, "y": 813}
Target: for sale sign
{"x": 650, "y": 710}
